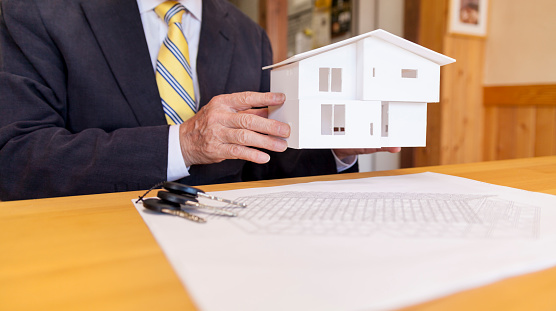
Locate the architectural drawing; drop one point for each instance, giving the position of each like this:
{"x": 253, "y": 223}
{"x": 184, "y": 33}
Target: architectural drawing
{"x": 408, "y": 215}
{"x": 379, "y": 243}
{"x": 368, "y": 91}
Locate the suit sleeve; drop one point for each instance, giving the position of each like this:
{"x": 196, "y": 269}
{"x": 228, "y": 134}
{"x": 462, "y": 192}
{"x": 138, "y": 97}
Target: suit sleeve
{"x": 39, "y": 155}
{"x": 292, "y": 162}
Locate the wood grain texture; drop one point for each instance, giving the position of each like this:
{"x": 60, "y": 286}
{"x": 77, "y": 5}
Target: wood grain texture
{"x": 518, "y": 128}
{"x": 431, "y": 29}
{"x": 411, "y": 20}
{"x": 96, "y": 253}
{"x": 525, "y": 132}
{"x": 491, "y": 133}
{"x": 506, "y": 133}
{"x": 455, "y": 125}
{"x": 545, "y": 128}
{"x": 273, "y": 17}
{"x": 83, "y": 253}
{"x": 461, "y": 99}
{"x": 432, "y": 23}
{"x": 526, "y": 95}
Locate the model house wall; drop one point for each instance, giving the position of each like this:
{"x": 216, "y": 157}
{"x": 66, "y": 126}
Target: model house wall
{"x": 319, "y": 118}
{"x": 404, "y": 124}
{"x": 330, "y": 75}
{"x": 388, "y": 72}
{"x": 369, "y": 91}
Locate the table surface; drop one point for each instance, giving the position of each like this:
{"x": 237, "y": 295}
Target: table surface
{"x": 95, "y": 252}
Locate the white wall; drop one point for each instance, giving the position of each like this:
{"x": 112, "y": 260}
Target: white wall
{"x": 520, "y": 48}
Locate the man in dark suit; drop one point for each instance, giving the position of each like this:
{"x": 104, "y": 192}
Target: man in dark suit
{"x": 81, "y": 112}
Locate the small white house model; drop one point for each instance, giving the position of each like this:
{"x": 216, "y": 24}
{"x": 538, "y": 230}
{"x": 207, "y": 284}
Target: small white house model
{"x": 368, "y": 91}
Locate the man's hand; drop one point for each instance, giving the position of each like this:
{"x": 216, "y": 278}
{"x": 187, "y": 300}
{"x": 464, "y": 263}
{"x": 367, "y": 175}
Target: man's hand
{"x": 227, "y": 126}
{"x": 344, "y": 153}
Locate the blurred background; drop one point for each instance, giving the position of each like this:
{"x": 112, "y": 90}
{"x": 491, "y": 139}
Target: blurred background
{"x": 498, "y": 101}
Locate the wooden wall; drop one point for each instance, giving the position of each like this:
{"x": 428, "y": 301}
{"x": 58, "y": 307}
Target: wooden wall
{"x": 461, "y": 101}
{"x": 474, "y": 122}
{"x": 455, "y": 125}
{"x": 520, "y": 121}
{"x": 520, "y": 80}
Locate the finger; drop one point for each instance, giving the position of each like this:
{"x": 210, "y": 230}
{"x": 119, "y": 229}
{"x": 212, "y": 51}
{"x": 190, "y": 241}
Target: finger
{"x": 253, "y": 139}
{"x": 367, "y": 150}
{"x": 233, "y": 151}
{"x": 374, "y": 150}
{"x": 258, "y": 124}
{"x": 392, "y": 149}
{"x": 263, "y": 112}
{"x": 342, "y": 153}
{"x": 248, "y": 100}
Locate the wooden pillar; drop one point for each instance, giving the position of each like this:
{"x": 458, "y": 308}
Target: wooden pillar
{"x": 273, "y": 17}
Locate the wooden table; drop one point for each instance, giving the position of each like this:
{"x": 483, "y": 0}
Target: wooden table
{"x": 95, "y": 252}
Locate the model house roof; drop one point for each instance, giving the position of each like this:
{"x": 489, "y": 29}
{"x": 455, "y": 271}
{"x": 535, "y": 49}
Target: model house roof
{"x": 381, "y": 34}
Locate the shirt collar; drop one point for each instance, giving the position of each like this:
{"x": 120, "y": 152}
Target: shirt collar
{"x": 193, "y": 6}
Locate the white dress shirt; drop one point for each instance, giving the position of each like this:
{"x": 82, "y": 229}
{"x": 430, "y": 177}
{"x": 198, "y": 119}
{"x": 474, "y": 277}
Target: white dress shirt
{"x": 155, "y": 32}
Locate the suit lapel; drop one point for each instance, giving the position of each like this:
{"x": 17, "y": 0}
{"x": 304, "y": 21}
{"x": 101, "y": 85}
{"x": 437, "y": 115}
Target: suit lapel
{"x": 215, "y": 50}
{"x": 118, "y": 29}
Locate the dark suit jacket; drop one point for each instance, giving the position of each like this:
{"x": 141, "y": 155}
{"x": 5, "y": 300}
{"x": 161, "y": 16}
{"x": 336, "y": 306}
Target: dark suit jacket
{"x": 80, "y": 110}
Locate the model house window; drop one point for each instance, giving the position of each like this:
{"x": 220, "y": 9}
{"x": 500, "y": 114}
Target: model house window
{"x": 339, "y": 119}
{"x": 326, "y": 119}
{"x": 409, "y": 73}
{"x": 336, "y": 83}
{"x": 374, "y": 72}
{"x": 324, "y": 75}
{"x": 333, "y": 119}
{"x": 385, "y": 119}
{"x": 330, "y": 79}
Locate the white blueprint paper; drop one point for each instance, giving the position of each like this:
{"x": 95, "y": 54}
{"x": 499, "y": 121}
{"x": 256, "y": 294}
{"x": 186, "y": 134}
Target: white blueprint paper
{"x": 366, "y": 244}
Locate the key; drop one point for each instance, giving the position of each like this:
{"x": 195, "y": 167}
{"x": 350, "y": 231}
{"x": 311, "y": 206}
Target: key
{"x": 170, "y": 208}
{"x": 193, "y": 192}
{"x": 191, "y": 202}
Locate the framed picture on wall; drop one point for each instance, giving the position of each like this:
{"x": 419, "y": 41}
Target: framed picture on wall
{"x": 468, "y": 17}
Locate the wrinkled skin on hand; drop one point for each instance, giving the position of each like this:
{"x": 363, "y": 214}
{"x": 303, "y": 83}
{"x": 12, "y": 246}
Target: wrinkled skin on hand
{"x": 228, "y": 126}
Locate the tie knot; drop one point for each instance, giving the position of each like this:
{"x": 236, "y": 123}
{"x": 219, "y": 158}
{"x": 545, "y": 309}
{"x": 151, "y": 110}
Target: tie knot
{"x": 170, "y": 11}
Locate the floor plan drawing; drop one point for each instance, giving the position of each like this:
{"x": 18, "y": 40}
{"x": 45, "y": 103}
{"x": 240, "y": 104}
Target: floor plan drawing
{"x": 377, "y": 243}
{"x": 388, "y": 213}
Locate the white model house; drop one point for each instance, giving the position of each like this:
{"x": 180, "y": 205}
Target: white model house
{"x": 368, "y": 91}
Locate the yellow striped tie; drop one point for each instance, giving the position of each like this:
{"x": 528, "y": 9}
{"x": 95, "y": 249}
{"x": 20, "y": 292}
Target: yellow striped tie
{"x": 173, "y": 70}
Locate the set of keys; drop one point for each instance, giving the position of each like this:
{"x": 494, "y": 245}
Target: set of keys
{"x": 177, "y": 198}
